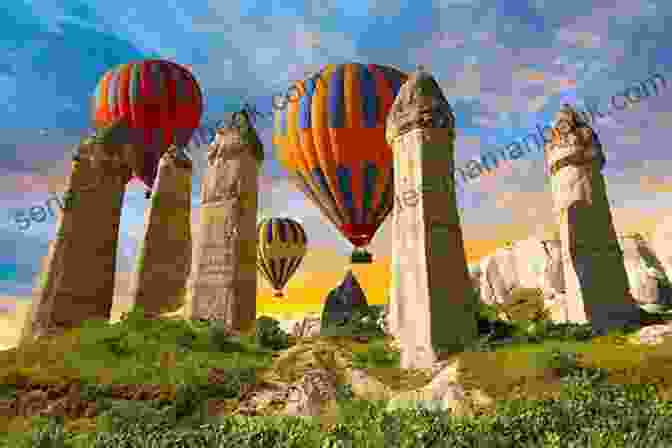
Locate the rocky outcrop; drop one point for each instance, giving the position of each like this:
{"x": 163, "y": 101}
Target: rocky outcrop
{"x": 307, "y": 327}
{"x": 652, "y": 334}
{"x": 596, "y": 282}
{"x": 661, "y": 245}
{"x": 531, "y": 263}
{"x": 164, "y": 260}
{"x": 430, "y": 292}
{"x": 77, "y": 280}
{"x": 304, "y": 382}
{"x": 309, "y": 396}
{"x": 498, "y": 276}
{"x": 444, "y": 392}
{"x": 343, "y": 301}
{"x": 641, "y": 267}
{"x": 223, "y": 280}
{"x": 536, "y": 263}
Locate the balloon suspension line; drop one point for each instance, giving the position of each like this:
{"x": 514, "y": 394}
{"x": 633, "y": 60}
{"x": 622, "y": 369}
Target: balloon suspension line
{"x": 361, "y": 256}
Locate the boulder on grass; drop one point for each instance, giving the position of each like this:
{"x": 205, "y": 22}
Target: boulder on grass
{"x": 307, "y": 327}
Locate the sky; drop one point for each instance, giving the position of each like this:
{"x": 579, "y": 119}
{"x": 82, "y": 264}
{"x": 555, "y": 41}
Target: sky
{"x": 505, "y": 67}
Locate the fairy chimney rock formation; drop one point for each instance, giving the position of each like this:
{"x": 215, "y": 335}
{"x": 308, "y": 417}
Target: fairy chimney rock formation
{"x": 597, "y": 289}
{"x": 223, "y": 283}
{"x": 78, "y": 280}
{"x": 431, "y": 290}
{"x": 343, "y": 301}
{"x": 164, "y": 260}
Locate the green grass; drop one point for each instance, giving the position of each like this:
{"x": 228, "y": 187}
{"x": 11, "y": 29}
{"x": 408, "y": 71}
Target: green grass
{"x": 137, "y": 351}
{"x": 590, "y": 411}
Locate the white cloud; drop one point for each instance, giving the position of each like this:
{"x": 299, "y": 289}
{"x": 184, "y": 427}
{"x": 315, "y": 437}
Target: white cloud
{"x": 466, "y": 84}
{"x": 582, "y": 39}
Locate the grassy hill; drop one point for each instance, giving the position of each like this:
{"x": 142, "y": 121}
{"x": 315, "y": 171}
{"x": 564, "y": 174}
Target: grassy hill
{"x": 114, "y": 384}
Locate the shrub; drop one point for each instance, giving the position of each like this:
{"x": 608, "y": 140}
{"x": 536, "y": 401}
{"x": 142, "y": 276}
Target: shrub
{"x": 269, "y": 334}
{"x": 524, "y": 304}
{"x": 94, "y": 391}
{"x": 344, "y": 392}
{"x": 590, "y": 413}
{"x": 126, "y": 415}
{"x": 221, "y": 339}
{"x": 47, "y": 433}
{"x": 367, "y": 320}
{"x": 377, "y": 355}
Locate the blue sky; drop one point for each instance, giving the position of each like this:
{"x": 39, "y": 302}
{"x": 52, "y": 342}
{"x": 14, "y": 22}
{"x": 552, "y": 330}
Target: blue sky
{"x": 504, "y": 67}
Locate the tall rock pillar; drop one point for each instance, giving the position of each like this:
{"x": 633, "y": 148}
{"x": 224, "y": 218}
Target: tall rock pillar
{"x": 164, "y": 261}
{"x": 431, "y": 292}
{"x": 78, "y": 280}
{"x": 597, "y": 289}
{"x": 223, "y": 284}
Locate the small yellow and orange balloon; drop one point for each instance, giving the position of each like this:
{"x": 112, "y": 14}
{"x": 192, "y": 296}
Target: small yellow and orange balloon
{"x": 281, "y": 246}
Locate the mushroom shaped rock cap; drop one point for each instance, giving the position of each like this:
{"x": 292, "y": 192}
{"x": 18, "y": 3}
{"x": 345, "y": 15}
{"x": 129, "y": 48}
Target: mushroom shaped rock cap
{"x": 568, "y": 120}
{"x": 420, "y": 103}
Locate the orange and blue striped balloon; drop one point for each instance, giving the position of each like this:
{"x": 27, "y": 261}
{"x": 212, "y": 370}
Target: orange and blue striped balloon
{"x": 332, "y": 142}
{"x": 159, "y": 100}
{"x": 281, "y": 247}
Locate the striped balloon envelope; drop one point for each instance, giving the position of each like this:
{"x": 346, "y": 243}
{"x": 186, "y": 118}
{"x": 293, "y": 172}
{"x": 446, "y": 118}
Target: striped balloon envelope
{"x": 330, "y": 137}
{"x": 160, "y": 101}
{"x": 281, "y": 246}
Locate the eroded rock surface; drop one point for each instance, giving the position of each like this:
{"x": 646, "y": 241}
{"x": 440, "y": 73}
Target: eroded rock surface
{"x": 444, "y": 392}
{"x": 307, "y": 327}
{"x": 535, "y": 263}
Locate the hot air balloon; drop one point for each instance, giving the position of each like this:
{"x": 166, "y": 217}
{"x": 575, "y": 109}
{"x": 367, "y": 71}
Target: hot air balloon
{"x": 280, "y": 249}
{"x": 331, "y": 140}
{"x": 161, "y": 103}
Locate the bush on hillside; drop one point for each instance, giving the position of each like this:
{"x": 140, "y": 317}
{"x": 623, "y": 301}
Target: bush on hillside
{"x": 221, "y": 338}
{"x": 367, "y": 320}
{"x": 269, "y": 334}
{"x": 589, "y": 412}
{"x": 376, "y": 355}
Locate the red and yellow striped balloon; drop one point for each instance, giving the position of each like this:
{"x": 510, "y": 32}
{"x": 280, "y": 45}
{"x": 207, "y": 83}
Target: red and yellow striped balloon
{"x": 159, "y": 99}
{"x": 332, "y": 142}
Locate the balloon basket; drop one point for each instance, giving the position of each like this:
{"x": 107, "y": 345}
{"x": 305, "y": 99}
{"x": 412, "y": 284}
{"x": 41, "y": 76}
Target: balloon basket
{"x": 278, "y": 295}
{"x": 361, "y": 257}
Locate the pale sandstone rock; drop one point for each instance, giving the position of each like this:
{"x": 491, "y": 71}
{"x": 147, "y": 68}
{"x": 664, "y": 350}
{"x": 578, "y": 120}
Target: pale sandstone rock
{"x": 311, "y": 394}
{"x": 531, "y": 263}
{"x": 553, "y": 281}
{"x": 641, "y": 277}
{"x": 367, "y": 387}
{"x": 430, "y": 284}
{"x": 595, "y": 277}
{"x": 653, "y": 334}
{"x": 516, "y": 267}
{"x": 165, "y": 253}
{"x": 223, "y": 284}
{"x": 77, "y": 280}
{"x": 444, "y": 392}
{"x": 499, "y": 276}
{"x": 661, "y": 244}
{"x": 307, "y": 327}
